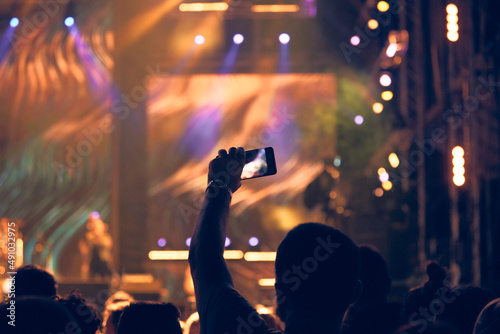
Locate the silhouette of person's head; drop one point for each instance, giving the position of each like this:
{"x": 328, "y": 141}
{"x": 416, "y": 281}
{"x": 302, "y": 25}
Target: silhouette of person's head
{"x": 36, "y": 315}
{"x": 317, "y": 271}
{"x": 85, "y": 315}
{"x": 374, "y": 274}
{"x": 464, "y": 310}
{"x": 32, "y": 280}
{"x": 151, "y": 318}
{"x": 430, "y": 328}
{"x": 488, "y": 321}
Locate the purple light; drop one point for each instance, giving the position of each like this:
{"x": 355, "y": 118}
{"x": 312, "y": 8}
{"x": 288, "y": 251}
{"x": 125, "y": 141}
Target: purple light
{"x": 359, "y": 120}
{"x": 95, "y": 215}
{"x": 253, "y": 241}
{"x": 14, "y": 22}
{"x": 284, "y": 38}
{"x": 391, "y": 50}
{"x": 228, "y": 242}
{"x": 188, "y": 242}
{"x": 69, "y": 21}
{"x": 199, "y": 39}
{"x": 238, "y": 39}
{"x": 384, "y": 177}
{"x": 355, "y": 40}
{"x": 162, "y": 242}
{"x": 385, "y": 80}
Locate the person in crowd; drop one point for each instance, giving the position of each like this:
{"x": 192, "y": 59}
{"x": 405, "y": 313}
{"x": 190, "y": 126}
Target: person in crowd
{"x": 33, "y": 280}
{"x": 85, "y": 314}
{"x": 464, "y": 310}
{"x": 113, "y": 309}
{"x": 372, "y": 313}
{"x": 488, "y": 321}
{"x": 316, "y": 267}
{"x": 36, "y": 315}
{"x": 151, "y": 318}
{"x": 421, "y": 297}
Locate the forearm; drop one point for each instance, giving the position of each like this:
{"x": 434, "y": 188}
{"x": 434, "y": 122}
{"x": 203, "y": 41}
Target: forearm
{"x": 206, "y": 254}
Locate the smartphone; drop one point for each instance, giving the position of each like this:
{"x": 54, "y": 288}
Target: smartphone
{"x": 259, "y": 162}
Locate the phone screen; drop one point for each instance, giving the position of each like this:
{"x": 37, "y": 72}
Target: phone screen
{"x": 257, "y": 164}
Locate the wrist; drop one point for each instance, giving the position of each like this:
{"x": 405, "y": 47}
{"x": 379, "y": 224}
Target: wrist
{"x": 218, "y": 186}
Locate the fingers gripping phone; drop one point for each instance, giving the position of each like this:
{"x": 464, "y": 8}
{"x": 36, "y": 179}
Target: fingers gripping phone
{"x": 259, "y": 162}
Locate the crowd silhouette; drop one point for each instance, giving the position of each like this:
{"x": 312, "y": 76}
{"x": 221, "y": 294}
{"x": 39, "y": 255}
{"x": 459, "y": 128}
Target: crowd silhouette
{"x": 325, "y": 283}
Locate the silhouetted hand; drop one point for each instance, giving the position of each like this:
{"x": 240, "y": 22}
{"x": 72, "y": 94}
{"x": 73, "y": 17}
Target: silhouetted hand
{"x": 227, "y": 167}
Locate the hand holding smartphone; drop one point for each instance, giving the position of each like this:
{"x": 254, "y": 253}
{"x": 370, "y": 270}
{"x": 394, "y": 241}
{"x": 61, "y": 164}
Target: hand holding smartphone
{"x": 259, "y": 162}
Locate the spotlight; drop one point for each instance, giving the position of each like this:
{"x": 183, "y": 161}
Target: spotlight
{"x": 14, "y": 22}
{"x": 238, "y": 39}
{"x": 253, "y": 241}
{"x": 69, "y": 21}
{"x": 358, "y": 120}
{"x": 199, "y": 39}
{"x": 355, "y": 40}
{"x": 162, "y": 242}
{"x": 284, "y": 38}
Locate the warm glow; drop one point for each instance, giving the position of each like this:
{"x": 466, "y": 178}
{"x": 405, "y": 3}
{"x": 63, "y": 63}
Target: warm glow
{"x": 452, "y": 9}
{"x": 267, "y": 281}
{"x": 264, "y": 310}
{"x": 458, "y": 162}
{"x": 391, "y": 50}
{"x": 458, "y": 151}
{"x": 379, "y": 192}
{"x": 204, "y": 7}
{"x": 275, "y": 8}
{"x": 387, "y": 95}
{"x": 394, "y": 160}
{"x": 459, "y": 180}
{"x": 383, "y": 6}
{"x": 233, "y": 255}
{"x": 260, "y": 256}
{"x": 452, "y": 18}
{"x": 452, "y": 36}
{"x": 137, "y": 278}
{"x": 169, "y": 255}
{"x": 373, "y": 24}
{"x": 381, "y": 170}
{"x": 452, "y": 27}
{"x": 387, "y": 185}
{"x": 377, "y": 107}
{"x": 340, "y": 210}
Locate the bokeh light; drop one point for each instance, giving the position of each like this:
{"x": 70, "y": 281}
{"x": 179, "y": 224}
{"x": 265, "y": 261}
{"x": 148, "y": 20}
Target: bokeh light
{"x": 381, "y": 170}
{"x": 69, "y": 21}
{"x": 162, "y": 242}
{"x": 227, "y": 242}
{"x": 387, "y": 185}
{"x": 378, "y": 107}
{"x": 385, "y": 80}
{"x": 384, "y": 177}
{"x": 394, "y": 160}
{"x": 284, "y": 38}
{"x": 337, "y": 161}
{"x": 359, "y": 120}
{"x": 391, "y": 50}
{"x": 355, "y": 40}
{"x": 238, "y": 39}
{"x": 372, "y": 24}
{"x": 387, "y": 95}
{"x": 14, "y": 22}
{"x": 253, "y": 241}
{"x": 95, "y": 215}
{"x": 452, "y": 9}
{"x": 188, "y": 242}
{"x": 383, "y": 6}
{"x": 199, "y": 39}
{"x": 379, "y": 192}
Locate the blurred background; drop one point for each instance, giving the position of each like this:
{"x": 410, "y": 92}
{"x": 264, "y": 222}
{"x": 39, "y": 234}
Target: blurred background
{"x": 383, "y": 115}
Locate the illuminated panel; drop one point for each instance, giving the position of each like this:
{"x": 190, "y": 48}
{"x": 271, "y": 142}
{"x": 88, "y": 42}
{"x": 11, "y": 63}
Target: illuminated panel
{"x": 260, "y": 256}
{"x": 267, "y": 281}
{"x": 204, "y": 7}
{"x": 184, "y": 254}
{"x": 275, "y": 8}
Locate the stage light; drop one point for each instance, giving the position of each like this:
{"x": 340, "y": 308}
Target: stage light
{"x": 204, "y": 7}
{"x": 394, "y": 160}
{"x": 382, "y": 6}
{"x": 452, "y": 22}
{"x": 260, "y": 256}
{"x": 378, "y": 107}
{"x": 384, "y": 177}
{"x": 387, "y": 95}
{"x": 284, "y": 38}
{"x": 267, "y": 281}
{"x": 227, "y": 242}
{"x": 253, "y": 241}
{"x": 233, "y": 254}
{"x": 188, "y": 242}
{"x": 14, "y": 22}
{"x": 387, "y": 185}
{"x": 69, "y": 21}
{"x": 95, "y": 215}
{"x": 359, "y": 120}
{"x": 275, "y": 8}
{"x": 379, "y": 192}
{"x": 238, "y": 39}
{"x": 391, "y": 50}
{"x": 162, "y": 242}
{"x": 355, "y": 40}
{"x": 337, "y": 161}
{"x": 458, "y": 162}
{"x": 199, "y": 39}
{"x": 385, "y": 80}
{"x": 372, "y": 24}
